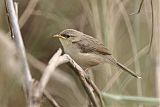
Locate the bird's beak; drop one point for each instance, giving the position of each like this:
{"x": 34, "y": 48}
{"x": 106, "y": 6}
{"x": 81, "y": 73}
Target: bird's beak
{"x": 58, "y": 36}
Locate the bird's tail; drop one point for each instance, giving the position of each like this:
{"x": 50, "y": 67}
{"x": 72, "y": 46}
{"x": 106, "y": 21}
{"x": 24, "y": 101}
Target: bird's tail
{"x": 128, "y": 70}
{"x": 113, "y": 61}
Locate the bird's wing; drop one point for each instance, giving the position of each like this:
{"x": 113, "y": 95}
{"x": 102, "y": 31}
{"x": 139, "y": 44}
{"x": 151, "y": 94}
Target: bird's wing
{"x": 90, "y": 44}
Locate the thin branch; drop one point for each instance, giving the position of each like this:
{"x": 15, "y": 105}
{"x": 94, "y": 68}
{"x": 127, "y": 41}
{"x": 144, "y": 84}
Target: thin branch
{"x": 82, "y": 76}
{"x": 19, "y": 42}
{"x": 97, "y": 91}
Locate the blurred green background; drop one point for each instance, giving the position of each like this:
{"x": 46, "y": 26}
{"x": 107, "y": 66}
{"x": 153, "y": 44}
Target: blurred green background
{"x": 127, "y": 36}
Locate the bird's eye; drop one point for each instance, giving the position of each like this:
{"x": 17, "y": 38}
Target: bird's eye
{"x": 65, "y": 35}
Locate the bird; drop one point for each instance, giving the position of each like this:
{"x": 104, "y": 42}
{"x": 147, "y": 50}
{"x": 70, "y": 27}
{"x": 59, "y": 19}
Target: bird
{"x": 87, "y": 51}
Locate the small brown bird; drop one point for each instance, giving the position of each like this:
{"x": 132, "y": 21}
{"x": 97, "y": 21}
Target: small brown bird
{"x": 87, "y": 51}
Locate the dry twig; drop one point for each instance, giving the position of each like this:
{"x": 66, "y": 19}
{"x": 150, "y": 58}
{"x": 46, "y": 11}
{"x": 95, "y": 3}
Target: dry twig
{"x": 13, "y": 23}
{"x": 83, "y": 78}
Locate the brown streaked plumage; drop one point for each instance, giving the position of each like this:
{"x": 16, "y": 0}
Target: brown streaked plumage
{"x": 88, "y": 51}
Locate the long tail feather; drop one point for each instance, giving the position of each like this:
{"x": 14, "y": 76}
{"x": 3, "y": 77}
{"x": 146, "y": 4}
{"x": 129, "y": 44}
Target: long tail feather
{"x": 128, "y": 70}
{"x": 110, "y": 59}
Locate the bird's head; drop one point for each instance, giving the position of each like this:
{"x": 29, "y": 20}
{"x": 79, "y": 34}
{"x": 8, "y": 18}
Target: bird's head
{"x": 68, "y": 36}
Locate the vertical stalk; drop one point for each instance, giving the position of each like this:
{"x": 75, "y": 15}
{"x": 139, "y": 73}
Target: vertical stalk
{"x": 156, "y": 43}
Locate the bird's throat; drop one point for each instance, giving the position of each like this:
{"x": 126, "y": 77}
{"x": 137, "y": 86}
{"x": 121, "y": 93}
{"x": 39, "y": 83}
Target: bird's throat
{"x": 69, "y": 47}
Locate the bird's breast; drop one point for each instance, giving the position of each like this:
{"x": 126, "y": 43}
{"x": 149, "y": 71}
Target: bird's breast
{"x": 85, "y": 60}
